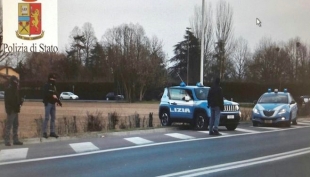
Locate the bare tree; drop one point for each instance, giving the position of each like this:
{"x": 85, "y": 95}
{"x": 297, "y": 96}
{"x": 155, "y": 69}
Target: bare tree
{"x": 129, "y": 57}
{"x": 240, "y": 57}
{"x": 224, "y": 33}
{"x": 88, "y": 33}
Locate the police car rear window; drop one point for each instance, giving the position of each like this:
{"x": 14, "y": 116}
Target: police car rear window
{"x": 201, "y": 93}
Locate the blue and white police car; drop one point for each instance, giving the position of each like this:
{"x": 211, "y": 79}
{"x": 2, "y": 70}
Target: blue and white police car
{"x": 274, "y": 107}
{"x": 189, "y": 104}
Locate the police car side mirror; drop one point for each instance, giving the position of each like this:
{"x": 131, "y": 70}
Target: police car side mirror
{"x": 293, "y": 102}
{"x": 255, "y": 101}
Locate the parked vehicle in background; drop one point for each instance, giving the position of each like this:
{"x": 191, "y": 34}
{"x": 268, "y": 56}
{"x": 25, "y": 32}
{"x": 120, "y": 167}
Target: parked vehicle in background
{"x": 189, "y": 104}
{"x": 68, "y": 96}
{"x": 113, "y": 96}
{"x": 303, "y": 105}
{"x": 275, "y": 108}
{"x": 1, "y": 94}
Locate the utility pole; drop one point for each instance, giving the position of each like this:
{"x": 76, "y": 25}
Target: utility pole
{"x": 187, "y": 68}
{"x": 202, "y": 42}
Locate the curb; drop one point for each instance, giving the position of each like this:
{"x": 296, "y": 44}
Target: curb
{"x": 92, "y": 135}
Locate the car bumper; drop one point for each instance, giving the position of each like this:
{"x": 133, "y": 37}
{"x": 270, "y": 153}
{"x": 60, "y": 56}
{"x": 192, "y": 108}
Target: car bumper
{"x": 229, "y": 118}
{"x": 270, "y": 120}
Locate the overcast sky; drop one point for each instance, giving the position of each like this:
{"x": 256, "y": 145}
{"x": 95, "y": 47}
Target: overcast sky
{"x": 168, "y": 19}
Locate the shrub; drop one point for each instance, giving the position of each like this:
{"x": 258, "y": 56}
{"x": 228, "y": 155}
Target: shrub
{"x": 113, "y": 120}
{"x": 94, "y": 121}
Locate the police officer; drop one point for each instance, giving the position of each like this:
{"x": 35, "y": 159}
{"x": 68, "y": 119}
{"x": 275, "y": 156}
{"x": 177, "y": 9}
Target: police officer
{"x": 216, "y": 103}
{"x": 12, "y": 107}
{"x": 50, "y": 99}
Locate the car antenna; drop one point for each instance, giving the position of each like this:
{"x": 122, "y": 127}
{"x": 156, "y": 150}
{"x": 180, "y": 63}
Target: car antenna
{"x": 180, "y": 77}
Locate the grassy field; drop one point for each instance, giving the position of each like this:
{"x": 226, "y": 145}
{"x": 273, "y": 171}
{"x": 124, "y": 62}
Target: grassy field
{"x": 78, "y": 113}
{"x": 32, "y": 112}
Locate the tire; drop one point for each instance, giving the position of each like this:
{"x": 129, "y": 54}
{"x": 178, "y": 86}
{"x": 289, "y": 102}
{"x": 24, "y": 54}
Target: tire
{"x": 165, "y": 118}
{"x": 61, "y": 98}
{"x": 200, "y": 121}
{"x": 231, "y": 127}
{"x": 255, "y": 124}
{"x": 288, "y": 123}
{"x": 70, "y": 98}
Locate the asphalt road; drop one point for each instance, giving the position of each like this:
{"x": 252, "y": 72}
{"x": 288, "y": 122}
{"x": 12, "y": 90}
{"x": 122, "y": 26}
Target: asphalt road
{"x": 248, "y": 151}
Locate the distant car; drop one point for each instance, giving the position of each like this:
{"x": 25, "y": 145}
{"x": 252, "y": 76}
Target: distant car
{"x": 113, "y": 96}
{"x": 275, "y": 108}
{"x": 1, "y": 94}
{"x": 68, "y": 96}
{"x": 304, "y": 105}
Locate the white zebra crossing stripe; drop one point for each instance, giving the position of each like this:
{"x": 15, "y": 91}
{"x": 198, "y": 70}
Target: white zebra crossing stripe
{"x": 269, "y": 128}
{"x": 179, "y": 136}
{"x": 207, "y": 132}
{"x": 13, "y": 154}
{"x": 303, "y": 123}
{"x": 246, "y": 130}
{"x": 138, "y": 140}
{"x": 83, "y": 147}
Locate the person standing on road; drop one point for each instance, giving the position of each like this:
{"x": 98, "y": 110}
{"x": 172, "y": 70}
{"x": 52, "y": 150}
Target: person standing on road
{"x": 50, "y": 99}
{"x": 12, "y": 103}
{"x": 216, "y": 103}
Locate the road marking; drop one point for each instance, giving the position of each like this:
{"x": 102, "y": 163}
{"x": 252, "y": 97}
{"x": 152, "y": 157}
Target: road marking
{"x": 246, "y": 130}
{"x": 179, "y": 136}
{"x": 303, "y": 123}
{"x": 207, "y": 132}
{"x": 13, "y": 154}
{"x": 269, "y": 128}
{"x": 138, "y": 140}
{"x": 239, "y": 164}
{"x": 83, "y": 147}
{"x": 131, "y": 147}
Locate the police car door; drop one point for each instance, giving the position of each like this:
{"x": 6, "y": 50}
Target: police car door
{"x": 179, "y": 106}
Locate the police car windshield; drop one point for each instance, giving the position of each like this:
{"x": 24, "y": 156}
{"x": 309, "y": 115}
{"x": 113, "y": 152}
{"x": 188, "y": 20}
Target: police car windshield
{"x": 273, "y": 98}
{"x": 201, "y": 93}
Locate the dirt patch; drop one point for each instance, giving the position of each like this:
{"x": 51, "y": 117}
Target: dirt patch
{"x": 32, "y": 112}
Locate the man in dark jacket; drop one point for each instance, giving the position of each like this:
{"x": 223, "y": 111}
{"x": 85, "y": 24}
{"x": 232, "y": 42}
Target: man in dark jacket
{"x": 12, "y": 107}
{"x": 50, "y": 99}
{"x": 216, "y": 103}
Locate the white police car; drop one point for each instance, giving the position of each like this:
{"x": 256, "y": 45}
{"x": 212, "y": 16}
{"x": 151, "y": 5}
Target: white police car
{"x": 275, "y": 108}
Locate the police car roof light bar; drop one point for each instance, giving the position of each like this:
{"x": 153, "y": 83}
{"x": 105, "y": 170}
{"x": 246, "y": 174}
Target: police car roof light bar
{"x": 285, "y": 90}
{"x": 269, "y": 90}
{"x": 276, "y": 90}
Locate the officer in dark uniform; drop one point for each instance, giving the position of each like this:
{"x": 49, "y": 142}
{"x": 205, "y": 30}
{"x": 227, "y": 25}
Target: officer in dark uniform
{"x": 12, "y": 107}
{"x": 50, "y": 99}
{"x": 216, "y": 103}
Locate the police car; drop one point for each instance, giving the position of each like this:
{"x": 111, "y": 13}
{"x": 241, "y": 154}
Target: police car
{"x": 189, "y": 104}
{"x": 275, "y": 108}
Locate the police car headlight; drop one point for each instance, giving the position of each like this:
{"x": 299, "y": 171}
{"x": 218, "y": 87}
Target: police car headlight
{"x": 282, "y": 111}
{"x": 255, "y": 111}
{"x": 237, "y": 107}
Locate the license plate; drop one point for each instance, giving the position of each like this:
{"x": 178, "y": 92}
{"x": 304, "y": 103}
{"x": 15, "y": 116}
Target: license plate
{"x": 268, "y": 121}
{"x": 230, "y": 116}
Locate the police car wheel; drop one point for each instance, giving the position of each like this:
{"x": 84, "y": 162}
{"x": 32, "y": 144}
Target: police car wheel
{"x": 165, "y": 118}
{"x": 200, "y": 121}
{"x": 255, "y": 124}
{"x": 231, "y": 127}
{"x": 288, "y": 123}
